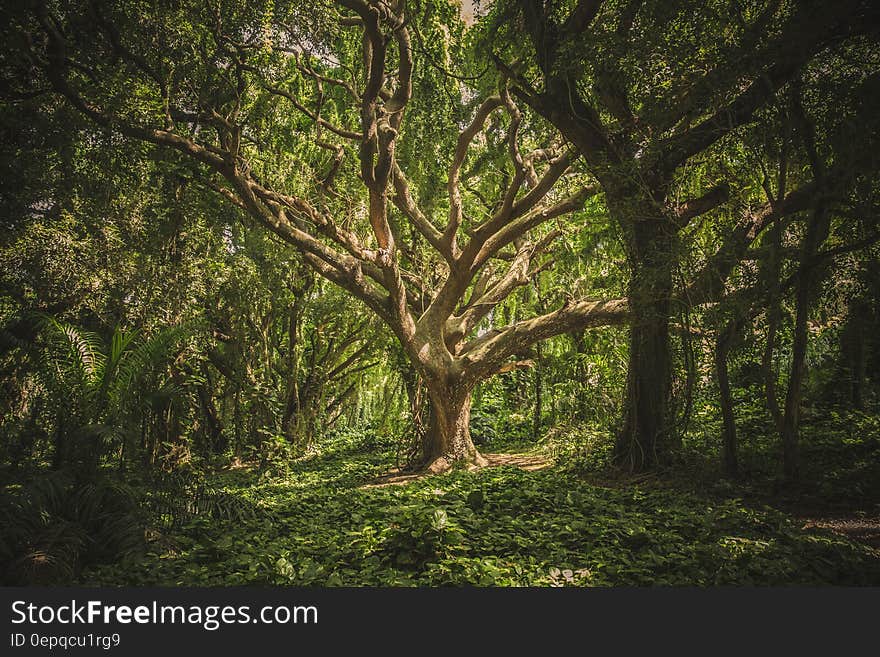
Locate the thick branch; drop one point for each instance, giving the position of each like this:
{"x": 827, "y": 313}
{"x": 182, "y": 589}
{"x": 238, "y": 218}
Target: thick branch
{"x": 452, "y": 186}
{"x": 581, "y": 17}
{"x": 806, "y": 34}
{"x": 485, "y": 354}
{"x": 693, "y": 208}
{"x": 708, "y": 284}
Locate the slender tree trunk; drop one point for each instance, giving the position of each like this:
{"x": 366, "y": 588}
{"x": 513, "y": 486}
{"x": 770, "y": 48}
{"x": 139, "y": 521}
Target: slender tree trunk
{"x": 644, "y": 440}
{"x": 147, "y": 432}
{"x": 792, "y": 413}
{"x": 449, "y": 437}
{"x": 774, "y": 317}
{"x": 539, "y": 371}
{"x": 59, "y": 453}
{"x": 817, "y": 232}
{"x": 729, "y": 461}
{"x": 94, "y": 458}
{"x": 143, "y": 441}
{"x": 539, "y": 398}
{"x": 771, "y": 397}
{"x": 305, "y": 280}
{"x": 580, "y": 372}
{"x": 213, "y": 424}
{"x": 237, "y": 420}
{"x": 854, "y": 349}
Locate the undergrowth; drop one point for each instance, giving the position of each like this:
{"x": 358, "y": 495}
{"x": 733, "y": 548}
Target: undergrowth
{"x": 317, "y": 525}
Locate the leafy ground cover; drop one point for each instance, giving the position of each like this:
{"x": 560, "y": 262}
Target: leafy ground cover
{"x": 321, "y": 523}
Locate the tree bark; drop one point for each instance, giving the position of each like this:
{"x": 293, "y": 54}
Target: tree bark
{"x": 645, "y": 437}
{"x": 305, "y": 280}
{"x": 729, "y": 461}
{"x": 817, "y": 232}
{"x": 449, "y": 437}
{"x": 853, "y": 346}
{"x": 420, "y": 416}
{"x": 774, "y": 317}
{"x": 539, "y": 405}
{"x": 214, "y": 430}
{"x": 790, "y": 429}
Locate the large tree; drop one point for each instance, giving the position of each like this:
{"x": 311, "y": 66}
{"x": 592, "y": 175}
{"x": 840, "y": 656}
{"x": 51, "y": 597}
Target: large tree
{"x": 297, "y": 115}
{"x": 432, "y": 177}
{"x": 657, "y": 98}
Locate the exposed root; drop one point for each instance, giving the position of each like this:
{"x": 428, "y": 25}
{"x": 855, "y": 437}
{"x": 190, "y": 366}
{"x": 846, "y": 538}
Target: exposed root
{"x": 527, "y": 462}
{"x": 442, "y": 464}
{"x": 439, "y": 465}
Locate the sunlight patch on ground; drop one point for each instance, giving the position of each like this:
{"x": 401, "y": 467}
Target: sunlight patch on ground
{"x": 527, "y": 462}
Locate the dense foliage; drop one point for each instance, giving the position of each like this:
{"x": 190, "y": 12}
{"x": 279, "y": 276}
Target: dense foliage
{"x": 254, "y": 255}
{"x": 324, "y": 522}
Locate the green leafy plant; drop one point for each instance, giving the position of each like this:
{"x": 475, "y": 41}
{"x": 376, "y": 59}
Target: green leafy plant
{"x": 54, "y": 526}
{"x": 102, "y": 389}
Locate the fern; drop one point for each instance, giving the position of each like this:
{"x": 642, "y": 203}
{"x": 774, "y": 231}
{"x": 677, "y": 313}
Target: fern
{"x": 103, "y": 388}
{"x": 177, "y": 498}
{"x": 78, "y": 352}
{"x": 54, "y": 526}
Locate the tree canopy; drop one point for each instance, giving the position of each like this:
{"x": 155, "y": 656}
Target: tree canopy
{"x": 231, "y": 229}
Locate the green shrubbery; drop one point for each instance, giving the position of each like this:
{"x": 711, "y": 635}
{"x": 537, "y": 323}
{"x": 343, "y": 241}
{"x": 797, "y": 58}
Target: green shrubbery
{"x": 54, "y": 526}
{"x": 318, "y": 526}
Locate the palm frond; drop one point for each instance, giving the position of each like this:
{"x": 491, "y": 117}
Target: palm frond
{"x": 74, "y": 351}
{"x": 120, "y": 348}
{"x": 54, "y": 526}
{"x": 146, "y": 355}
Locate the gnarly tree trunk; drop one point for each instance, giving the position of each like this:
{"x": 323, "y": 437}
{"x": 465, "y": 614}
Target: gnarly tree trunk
{"x": 293, "y": 422}
{"x": 644, "y": 440}
{"x": 449, "y": 437}
{"x": 415, "y": 452}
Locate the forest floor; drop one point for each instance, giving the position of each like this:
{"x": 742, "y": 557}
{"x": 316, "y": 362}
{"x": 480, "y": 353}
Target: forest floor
{"x": 331, "y": 519}
{"x": 839, "y": 492}
{"x": 529, "y": 461}
{"x": 856, "y": 528}
{"x": 860, "y": 523}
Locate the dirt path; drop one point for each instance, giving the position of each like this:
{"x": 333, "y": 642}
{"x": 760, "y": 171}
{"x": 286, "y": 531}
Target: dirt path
{"x": 528, "y": 462}
{"x": 860, "y": 529}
